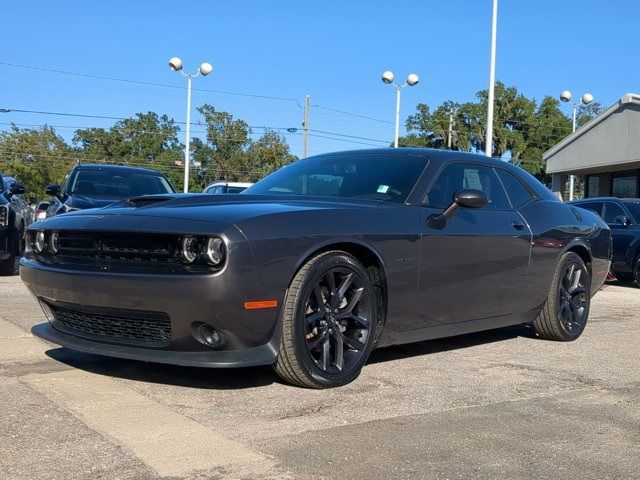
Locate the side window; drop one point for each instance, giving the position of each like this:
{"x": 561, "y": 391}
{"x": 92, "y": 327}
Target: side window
{"x": 518, "y": 193}
{"x": 611, "y": 211}
{"x": 595, "y": 207}
{"x": 458, "y": 175}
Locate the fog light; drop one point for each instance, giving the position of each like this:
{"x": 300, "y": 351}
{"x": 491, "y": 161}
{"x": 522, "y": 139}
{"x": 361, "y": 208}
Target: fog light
{"x": 39, "y": 242}
{"x": 189, "y": 249}
{"x": 210, "y": 336}
{"x": 54, "y": 242}
{"x": 213, "y": 251}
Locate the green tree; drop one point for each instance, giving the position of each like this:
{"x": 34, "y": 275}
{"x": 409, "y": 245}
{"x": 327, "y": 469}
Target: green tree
{"x": 147, "y": 140}
{"x": 36, "y": 157}
{"x": 548, "y": 127}
{"x": 231, "y": 154}
{"x": 587, "y": 112}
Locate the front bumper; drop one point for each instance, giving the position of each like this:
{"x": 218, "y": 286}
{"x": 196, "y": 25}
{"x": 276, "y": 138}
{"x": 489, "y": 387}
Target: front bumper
{"x": 217, "y": 300}
{"x": 252, "y": 356}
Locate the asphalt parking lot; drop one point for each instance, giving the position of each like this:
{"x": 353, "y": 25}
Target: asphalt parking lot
{"x": 493, "y": 405}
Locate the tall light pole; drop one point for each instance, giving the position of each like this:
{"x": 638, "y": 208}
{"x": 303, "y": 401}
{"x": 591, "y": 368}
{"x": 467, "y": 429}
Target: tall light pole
{"x": 586, "y": 99}
{"x": 488, "y": 149}
{"x": 205, "y": 69}
{"x": 412, "y": 80}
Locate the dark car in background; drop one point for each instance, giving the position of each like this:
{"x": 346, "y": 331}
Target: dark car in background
{"x": 15, "y": 216}
{"x": 314, "y": 266}
{"x": 94, "y": 186}
{"x": 623, "y": 217}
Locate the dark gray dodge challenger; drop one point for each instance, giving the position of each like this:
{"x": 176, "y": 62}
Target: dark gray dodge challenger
{"x": 319, "y": 263}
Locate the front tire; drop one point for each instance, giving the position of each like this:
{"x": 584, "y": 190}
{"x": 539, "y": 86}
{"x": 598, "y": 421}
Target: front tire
{"x": 328, "y": 324}
{"x": 565, "y": 313}
{"x": 8, "y": 266}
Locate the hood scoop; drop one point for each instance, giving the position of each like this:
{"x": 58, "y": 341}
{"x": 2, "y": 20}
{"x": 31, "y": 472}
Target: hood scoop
{"x": 146, "y": 201}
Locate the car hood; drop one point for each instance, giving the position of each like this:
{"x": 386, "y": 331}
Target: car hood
{"x": 181, "y": 210}
{"x": 225, "y": 208}
{"x": 82, "y": 203}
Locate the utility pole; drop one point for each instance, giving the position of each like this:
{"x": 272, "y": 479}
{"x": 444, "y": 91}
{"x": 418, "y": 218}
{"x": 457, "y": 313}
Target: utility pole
{"x": 305, "y": 125}
{"x": 492, "y": 81}
{"x": 450, "y": 129}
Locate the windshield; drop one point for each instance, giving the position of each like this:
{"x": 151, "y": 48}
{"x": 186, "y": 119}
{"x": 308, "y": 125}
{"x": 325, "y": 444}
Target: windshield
{"x": 117, "y": 184}
{"x": 376, "y": 177}
{"x": 634, "y": 208}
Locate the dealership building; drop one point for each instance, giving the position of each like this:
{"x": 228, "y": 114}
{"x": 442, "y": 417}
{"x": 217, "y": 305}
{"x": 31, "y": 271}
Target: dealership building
{"x": 605, "y": 151}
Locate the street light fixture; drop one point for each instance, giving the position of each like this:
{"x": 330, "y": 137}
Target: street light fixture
{"x": 412, "y": 80}
{"x": 586, "y": 99}
{"x": 205, "y": 69}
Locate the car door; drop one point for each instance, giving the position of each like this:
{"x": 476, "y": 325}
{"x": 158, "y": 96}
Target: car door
{"x": 621, "y": 234}
{"x": 476, "y": 265}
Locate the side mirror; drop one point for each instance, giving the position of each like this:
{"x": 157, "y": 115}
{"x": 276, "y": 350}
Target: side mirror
{"x": 622, "y": 220}
{"x": 15, "y": 189}
{"x": 465, "y": 198}
{"x": 53, "y": 190}
{"x": 470, "y": 198}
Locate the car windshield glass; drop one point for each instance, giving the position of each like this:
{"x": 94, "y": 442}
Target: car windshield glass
{"x": 634, "y": 208}
{"x": 236, "y": 189}
{"x": 117, "y": 184}
{"x": 376, "y": 177}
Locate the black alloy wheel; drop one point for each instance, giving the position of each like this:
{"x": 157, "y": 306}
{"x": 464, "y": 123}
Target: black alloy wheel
{"x": 337, "y": 320}
{"x": 328, "y": 323}
{"x": 572, "y": 305}
{"x": 565, "y": 313}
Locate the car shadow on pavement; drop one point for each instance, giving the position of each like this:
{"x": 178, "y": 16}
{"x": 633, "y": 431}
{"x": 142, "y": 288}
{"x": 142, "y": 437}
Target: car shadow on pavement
{"x": 238, "y": 378}
{"x": 408, "y": 350}
{"x": 191, "y": 377}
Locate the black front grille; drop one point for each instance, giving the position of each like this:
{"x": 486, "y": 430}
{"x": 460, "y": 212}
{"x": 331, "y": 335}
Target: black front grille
{"x": 119, "y": 326}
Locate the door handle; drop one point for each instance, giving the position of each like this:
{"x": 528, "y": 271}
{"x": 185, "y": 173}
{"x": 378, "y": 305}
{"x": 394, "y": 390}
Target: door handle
{"x": 517, "y": 226}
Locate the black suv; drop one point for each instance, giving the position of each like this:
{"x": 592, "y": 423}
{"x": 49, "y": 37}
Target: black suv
{"x": 94, "y": 186}
{"x": 623, "y": 217}
{"x": 15, "y": 216}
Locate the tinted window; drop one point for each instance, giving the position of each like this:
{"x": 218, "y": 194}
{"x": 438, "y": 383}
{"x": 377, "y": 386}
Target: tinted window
{"x": 376, "y": 177}
{"x": 611, "y": 211}
{"x": 517, "y": 192}
{"x": 595, "y": 207}
{"x": 116, "y": 184}
{"x": 457, "y": 176}
{"x": 634, "y": 208}
{"x": 624, "y": 187}
{"x": 593, "y": 181}
{"x": 236, "y": 189}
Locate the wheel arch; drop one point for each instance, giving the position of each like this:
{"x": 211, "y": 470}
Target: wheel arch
{"x": 583, "y": 251}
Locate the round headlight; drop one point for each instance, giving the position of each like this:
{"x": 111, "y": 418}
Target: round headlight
{"x": 54, "y": 242}
{"x": 213, "y": 251}
{"x": 39, "y": 243}
{"x": 189, "y": 249}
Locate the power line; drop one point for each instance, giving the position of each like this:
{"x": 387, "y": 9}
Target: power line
{"x": 353, "y": 114}
{"x": 148, "y": 84}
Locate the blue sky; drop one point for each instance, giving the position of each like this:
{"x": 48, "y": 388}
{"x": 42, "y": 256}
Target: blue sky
{"x": 333, "y": 51}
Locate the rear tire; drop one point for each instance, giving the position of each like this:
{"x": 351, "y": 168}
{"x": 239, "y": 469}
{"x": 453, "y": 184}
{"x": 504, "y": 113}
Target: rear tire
{"x": 329, "y": 321}
{"x": 566, "y": 311}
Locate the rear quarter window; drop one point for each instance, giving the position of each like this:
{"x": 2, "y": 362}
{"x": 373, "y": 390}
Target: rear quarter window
{"x": 517, "y": 192}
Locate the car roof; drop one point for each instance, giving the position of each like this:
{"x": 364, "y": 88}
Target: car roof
{"x": 602, "y": 199}
{"x": 110, "y": 166}
{"x": 222, "y": 183}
